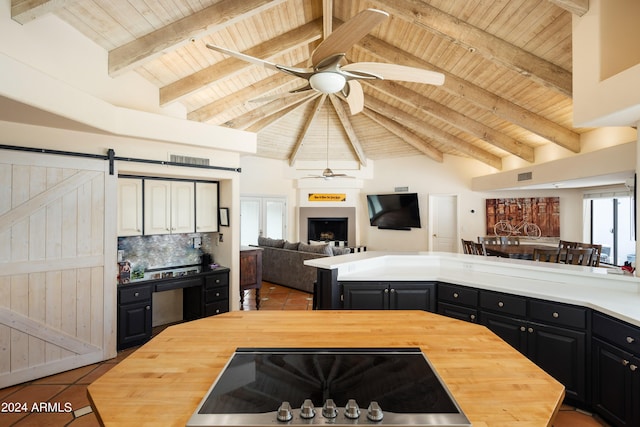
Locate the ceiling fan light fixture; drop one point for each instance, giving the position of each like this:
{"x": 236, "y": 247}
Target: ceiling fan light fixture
{"x": 327, "y": 82}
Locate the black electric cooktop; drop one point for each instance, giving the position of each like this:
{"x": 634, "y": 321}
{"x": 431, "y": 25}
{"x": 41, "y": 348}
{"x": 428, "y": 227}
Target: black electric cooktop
{"x": 336, "y": 386}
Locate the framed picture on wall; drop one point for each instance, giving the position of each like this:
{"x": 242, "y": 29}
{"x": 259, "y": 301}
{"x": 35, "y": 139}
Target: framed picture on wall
{"x": 224, "y": 217}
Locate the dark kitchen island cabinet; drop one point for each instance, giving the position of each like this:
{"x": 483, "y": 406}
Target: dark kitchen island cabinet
{"x": 389, "y": 296}
{"x": 204, "y": 294}
{"x": 616, "y": 371}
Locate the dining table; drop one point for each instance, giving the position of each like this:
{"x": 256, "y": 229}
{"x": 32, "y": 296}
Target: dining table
{"x": 521, "y": 251}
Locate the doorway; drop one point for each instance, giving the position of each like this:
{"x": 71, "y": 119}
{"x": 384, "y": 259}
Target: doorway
{"x": 262, "y": 217}
{"x": 443, "y": 223}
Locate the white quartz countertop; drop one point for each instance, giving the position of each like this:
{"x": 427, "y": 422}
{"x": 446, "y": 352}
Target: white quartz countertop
{"x": 614, "y": 294}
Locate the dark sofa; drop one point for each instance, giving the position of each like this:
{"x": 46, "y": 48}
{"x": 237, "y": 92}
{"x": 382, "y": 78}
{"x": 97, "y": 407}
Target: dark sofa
{"x": 283, "y": 262}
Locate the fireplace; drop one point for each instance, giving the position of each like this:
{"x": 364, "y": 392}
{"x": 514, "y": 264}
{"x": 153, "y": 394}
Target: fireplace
{"x": 328, "y": 229}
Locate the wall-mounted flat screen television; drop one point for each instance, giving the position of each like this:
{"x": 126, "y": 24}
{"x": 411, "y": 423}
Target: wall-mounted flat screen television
{"x": 398, "y": 211}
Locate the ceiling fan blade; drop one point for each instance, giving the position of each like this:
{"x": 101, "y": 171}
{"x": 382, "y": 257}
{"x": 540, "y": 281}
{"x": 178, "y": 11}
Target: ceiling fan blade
{"x": 355, "y": 97}
{"x": 397, "y": 72}
{"x": 348, "y": 34}
{"x": 282, "y": 95}
{"x": 304, "y": 73}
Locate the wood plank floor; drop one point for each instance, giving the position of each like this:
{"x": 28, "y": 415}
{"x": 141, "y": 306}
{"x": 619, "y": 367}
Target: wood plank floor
{"x": 70, "y": 388}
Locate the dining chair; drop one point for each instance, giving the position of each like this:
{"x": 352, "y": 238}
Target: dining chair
{"x": 563, "y": 246}
{"x": 579, "y": 256}
{"x": 489, "y": 240}
{"x": 509, "y": 240}
{"x": 479, "y": 249}
{"x": 597, "y": 252}
{"x": 468, "y": 247}
{"x": 546, "y": 255}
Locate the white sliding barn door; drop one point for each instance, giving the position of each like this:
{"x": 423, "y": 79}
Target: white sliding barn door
{"x": 57, "y": 264}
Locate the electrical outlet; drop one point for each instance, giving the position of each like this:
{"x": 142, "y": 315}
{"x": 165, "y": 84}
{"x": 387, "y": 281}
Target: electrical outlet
{"x": 197, "y": 242}
{"x": 120, "y": 255}
{"x": 221, "y": 238}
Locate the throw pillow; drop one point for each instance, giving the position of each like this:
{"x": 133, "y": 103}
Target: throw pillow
{"x": 291, "y": 246}
{"x": 267, "y": 241}
{"x": 340, "y": 250}
{"x": 316, "y": 249}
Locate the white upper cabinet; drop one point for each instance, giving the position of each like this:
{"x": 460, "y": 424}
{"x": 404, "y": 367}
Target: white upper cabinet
{"x": 129, "y": 207}
{"x": 206, "y": 207}
{"x": 157, "y": 206}
{"x": 182, "y": 207}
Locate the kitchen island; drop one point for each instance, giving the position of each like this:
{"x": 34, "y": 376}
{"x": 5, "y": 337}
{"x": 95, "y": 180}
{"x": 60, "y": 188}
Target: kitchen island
{"x": 162, "y": 382}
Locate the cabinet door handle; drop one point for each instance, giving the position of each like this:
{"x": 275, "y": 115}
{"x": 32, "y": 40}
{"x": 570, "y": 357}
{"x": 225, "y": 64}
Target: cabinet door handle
{"x": 455, "y": 295}
{"x": 148, "y": 307}
{"x": 217, "y": 280}
{"x": 500, "y": 304}
{"x": 633, "y": 368}
{"x": 522, "y": 329}
{"x": 137, "y": 294}
{"x": 630, "y": 340}
{"x": 393, "y": 290}
{"x": 217, "y": 294}
{"x": 625, "y": 362}
{"x": 555, "y": 315}
{"x": 530, "y": 330}
{"x": 386, "y": 291}
{"x": 472, "y": 317}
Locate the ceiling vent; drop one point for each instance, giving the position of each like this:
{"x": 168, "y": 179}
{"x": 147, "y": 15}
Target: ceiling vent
{"x": 188, "y": 160}
{"x": 525, "y": 176}
{"x": 401, "y": 189}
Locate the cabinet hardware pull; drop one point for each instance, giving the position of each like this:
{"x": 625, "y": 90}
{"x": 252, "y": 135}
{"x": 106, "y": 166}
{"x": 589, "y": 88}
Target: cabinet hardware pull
{"x": 137, "y": 294}
{"x": 217, "y": 280}
{"x": 500, "y": 304}
{"x": 633, "y": 368}
{"x": 386, "y": 291}
{"x": 455, "y": 295}
{"x": 473, "y": 317}
{"x": 217, "y": 294}
{"x": 392, "y": 290}
{"x": 555, "y": 315}
{"x": 522, "y": 329}
{"x": 148, "y": 307}
{"x": 630, "y": 340}
{"x": 625, "y": 362}
{"x": 530, "y": 330}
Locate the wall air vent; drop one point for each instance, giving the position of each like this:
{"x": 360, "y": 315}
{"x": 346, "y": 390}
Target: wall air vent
{"x": 401, "y": 189}
{"x": 525, "y": 176}
{"x": 175, "y": 158}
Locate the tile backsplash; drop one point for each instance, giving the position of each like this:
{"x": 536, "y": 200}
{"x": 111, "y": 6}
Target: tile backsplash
{"x": 161, "y": 251}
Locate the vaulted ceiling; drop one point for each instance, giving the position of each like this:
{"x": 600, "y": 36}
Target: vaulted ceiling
{"x": 507, "y": 68}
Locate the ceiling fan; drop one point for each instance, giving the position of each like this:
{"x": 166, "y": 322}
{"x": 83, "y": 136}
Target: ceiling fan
{"x": 327, "y": 173}
{"x": 328, "y": 73}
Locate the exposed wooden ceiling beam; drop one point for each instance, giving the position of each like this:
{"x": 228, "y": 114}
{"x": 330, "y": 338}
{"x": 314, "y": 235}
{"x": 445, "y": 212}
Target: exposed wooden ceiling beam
{"x": 305, "y": 129}
{"x": 229, "y": 67}
{"x": 348, "y": 128}
{"x": 272, "y": 118}
{"x": 327, "y": 18}
{"x": 406, "y": 135}
{"x": 577, "y": 7}
{"x": 454, "y": 118}
{"x": 489, "y": 46}
{"x": 478, "y": 96}
{"x": 412, "y": 122}
{"x": 244, "y": 121}
{"x": 208, "y": 20}
{"x": 210, "y": 111}
{"x": 23, "y": 11}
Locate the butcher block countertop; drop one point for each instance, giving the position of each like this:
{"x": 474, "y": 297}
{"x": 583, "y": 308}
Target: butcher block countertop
{"x": 162, "y": 382}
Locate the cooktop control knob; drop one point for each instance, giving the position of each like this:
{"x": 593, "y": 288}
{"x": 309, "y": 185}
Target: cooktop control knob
{"x": 374, "y": 413}
{"x": 329, "y": 409}
{"x": 284, "y": 412}
{"x": 352, "y": 410}
{"x": 307, "y": 411}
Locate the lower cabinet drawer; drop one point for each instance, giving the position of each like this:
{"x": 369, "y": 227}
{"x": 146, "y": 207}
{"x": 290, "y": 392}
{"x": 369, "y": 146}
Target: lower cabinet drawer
{"x": 504, "y": 303}
{"x": 617, "y": 332}
{"x": 216, "y": 308}
{"x": 134, "y": 294}
{"x": 215, "y": 280}
{"x": 216, "y": 294}
{"x": 558, "y": 314}
{"x": 457, "y": 294}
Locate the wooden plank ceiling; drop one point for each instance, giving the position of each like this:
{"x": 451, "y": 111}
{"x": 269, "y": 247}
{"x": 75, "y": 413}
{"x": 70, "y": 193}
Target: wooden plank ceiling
{"x": 507, "y": 67}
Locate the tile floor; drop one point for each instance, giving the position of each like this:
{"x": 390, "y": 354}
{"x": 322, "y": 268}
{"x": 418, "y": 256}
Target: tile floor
{"x": 71, "y": 387}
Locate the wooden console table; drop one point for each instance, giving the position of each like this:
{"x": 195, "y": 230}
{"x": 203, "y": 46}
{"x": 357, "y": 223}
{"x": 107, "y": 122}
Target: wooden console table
{"x": 163, "y": 381}
{"x": 250, "y": 272}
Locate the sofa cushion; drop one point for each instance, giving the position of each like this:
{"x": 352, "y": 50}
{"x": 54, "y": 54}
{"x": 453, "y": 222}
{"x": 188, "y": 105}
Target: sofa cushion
{"x": 337, "y": 250}
{"x": 273, "y": 243}
{"x": 291, "y": 246}
{"x": 316, "y": 249}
